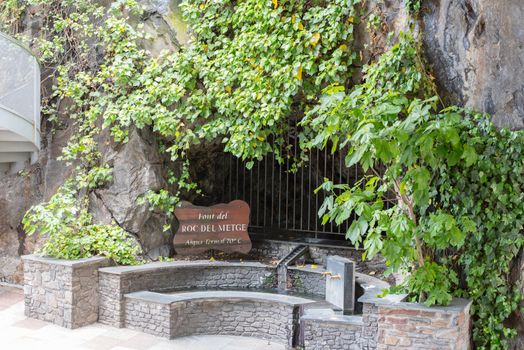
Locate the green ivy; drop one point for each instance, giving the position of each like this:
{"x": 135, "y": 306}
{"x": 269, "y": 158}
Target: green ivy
{"x": 457, "y": 181}
{"x": 71, "y": 234}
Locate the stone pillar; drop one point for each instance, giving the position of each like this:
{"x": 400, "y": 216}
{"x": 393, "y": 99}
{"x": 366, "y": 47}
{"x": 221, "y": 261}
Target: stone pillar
{"x": 415, "y": 326}
{"x": 64, "y": 292}
{"x": 340, "y": 283}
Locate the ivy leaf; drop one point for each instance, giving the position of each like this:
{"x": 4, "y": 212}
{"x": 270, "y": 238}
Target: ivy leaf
{"x": 468, "y": 224}
{"x": 355, "y": 155}
{"x": 314, "y": 39}
{"x": 298, "y": 74}
{"x": 385, "y": 149}
{"x": 469, "y": 155}
{"x": 451, "y": 135}
{"x": 420, "y": 177}
{"x": 357, "y": 229}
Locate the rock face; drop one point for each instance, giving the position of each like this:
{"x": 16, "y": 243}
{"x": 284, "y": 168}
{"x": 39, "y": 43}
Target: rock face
{"x": 163, "y": 21}
{"x": 18, "y": 193}
{"x": 476, "y": 48}
{"x": 137, "y": 168}
{"x": 137, "y": 165}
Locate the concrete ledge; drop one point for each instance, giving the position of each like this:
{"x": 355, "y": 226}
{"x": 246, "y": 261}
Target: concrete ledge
{"x": 262, "y": 315}
{"x": 62, "y": 262}
{"x": 169, "y": 265}
{"x": 219, "y": 295}
{"x": 329, "y": 316}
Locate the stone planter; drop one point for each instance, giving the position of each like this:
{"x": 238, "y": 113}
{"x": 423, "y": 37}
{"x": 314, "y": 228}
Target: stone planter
{"x": 396, "y": 324}
{"x": 64, "y": 292}
{"x": 388, "y": 323}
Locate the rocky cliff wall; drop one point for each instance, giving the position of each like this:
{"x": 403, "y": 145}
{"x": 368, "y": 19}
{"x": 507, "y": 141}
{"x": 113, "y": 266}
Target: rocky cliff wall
{"x": 138, "y": 166}
{"x": 476, "y": 49}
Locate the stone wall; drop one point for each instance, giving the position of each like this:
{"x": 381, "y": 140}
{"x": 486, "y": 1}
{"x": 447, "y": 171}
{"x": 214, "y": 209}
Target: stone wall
{"x": 115, "y": 282}
{"x": 412, "y": 326}
{"x": 317, "y": 253}
{"x": 370, "y": 324}
{"x": 335, "y": 333}
{"x": 305, "y": 280}
{"x": 266, "y": 320}
{"x": 63, "y": 292}
{"x": 395, "y": 324}
{"x": 149, "y": 317}
{"x": 150, "y": 298}
{"x": 390, "y": 326}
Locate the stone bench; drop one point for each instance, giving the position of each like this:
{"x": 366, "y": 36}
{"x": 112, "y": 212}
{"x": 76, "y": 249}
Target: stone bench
{"x": 268, "y": 316}
{"x": 115, "y": 282}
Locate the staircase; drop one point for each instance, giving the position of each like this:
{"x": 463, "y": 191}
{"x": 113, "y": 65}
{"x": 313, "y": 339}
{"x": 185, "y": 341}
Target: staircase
{"x": 19, "y": 106}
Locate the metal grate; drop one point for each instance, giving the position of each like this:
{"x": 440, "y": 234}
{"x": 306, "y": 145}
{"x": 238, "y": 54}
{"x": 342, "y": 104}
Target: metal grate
{"x": 282, "y": 201}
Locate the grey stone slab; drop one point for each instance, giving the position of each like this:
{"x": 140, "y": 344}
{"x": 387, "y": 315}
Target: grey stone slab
{"x": 340, "y": 283}
{"x": 219, "y": 295}
{"x": 62, "y": 262}
{"x": 158, "y": 266}
{"x": 329, "y": 316}
{"x": 307, "y": 268}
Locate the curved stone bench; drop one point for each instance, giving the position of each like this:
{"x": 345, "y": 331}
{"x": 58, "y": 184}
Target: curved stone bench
{"x": 262, "y": 315}
{"x": 115, "y": 282}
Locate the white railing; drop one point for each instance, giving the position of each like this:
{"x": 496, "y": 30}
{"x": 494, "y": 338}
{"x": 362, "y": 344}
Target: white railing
{"x": 19, "y": 105}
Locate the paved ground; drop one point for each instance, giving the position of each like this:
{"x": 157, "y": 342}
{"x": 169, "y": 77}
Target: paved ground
{"x": 20, "y": 333}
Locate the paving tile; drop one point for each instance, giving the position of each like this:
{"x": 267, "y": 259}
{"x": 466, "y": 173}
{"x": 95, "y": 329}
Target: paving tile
{"x": 102, "y": 343}
{"x": 173, "y": 345}
{"x": 120, "y": 333}
{"x": 141, "y": 341}
{"x": 23, "y": 343}
{"x": 31, "y": 323}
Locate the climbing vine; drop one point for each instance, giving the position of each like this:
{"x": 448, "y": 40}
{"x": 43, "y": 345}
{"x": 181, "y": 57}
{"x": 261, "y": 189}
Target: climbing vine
{"x": 260, "y": 72}
{"x": 457, "y": 181}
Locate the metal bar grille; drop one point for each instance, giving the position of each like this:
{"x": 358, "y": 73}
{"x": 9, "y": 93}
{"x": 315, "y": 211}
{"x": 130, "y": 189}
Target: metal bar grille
{"x": 282, "y": 201}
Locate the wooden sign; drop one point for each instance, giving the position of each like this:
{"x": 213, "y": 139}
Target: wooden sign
{"x": 221, "y": 227}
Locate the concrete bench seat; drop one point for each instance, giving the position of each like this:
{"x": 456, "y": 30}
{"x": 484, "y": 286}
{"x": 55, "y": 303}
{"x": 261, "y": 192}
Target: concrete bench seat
{"x": 240, "y": 313}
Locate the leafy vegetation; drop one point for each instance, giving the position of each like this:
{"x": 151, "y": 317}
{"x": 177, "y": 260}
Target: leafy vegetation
{"x": 455, "y": 178}
{"x": 258, "y": 71}
{"x": 70, "y": 231}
